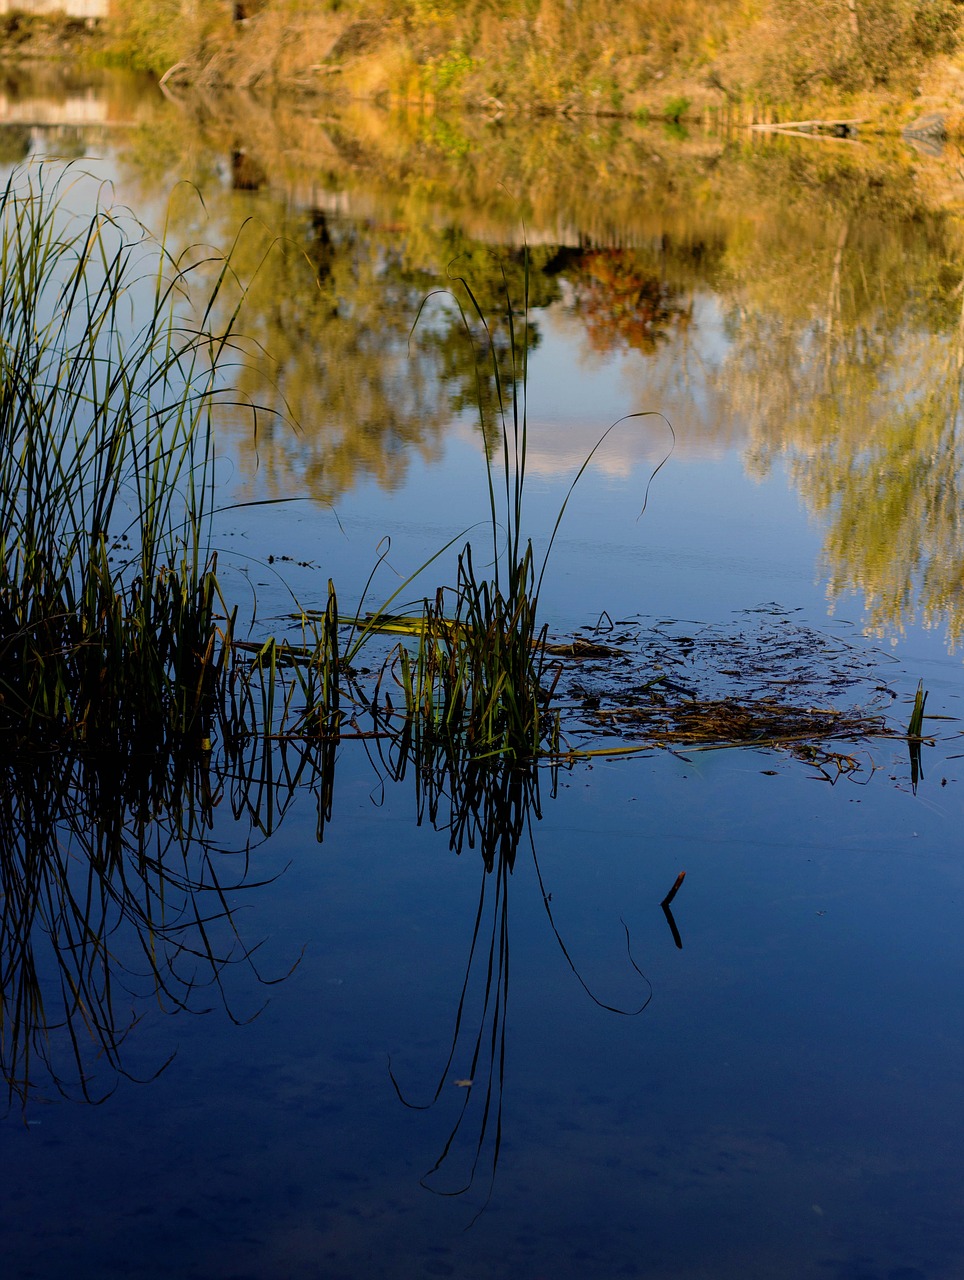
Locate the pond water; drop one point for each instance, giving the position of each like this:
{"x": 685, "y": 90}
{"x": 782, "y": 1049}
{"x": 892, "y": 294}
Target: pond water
{"x": 767, "y": 1082}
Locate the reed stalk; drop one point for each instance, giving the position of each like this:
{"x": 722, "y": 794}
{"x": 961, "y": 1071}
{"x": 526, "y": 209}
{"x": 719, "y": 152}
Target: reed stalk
{"x": 475, "y": 683}
{"x": 915, "y": 726}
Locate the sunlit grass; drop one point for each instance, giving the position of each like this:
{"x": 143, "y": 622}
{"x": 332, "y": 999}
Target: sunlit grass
{"x": 915, "y": 725}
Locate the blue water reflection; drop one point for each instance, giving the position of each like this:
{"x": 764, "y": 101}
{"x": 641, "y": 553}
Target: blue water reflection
{"x": 786, "y": 1104}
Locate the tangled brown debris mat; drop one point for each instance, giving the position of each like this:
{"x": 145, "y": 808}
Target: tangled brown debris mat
{"x": 764, "y": 679}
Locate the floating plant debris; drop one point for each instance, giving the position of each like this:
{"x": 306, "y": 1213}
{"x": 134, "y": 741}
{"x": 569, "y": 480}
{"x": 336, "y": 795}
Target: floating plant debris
{"x": 765, "y": 679}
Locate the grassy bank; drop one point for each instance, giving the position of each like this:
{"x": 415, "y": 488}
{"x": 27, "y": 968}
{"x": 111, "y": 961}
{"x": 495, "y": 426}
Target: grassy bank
{"x": 662, "y": 58}
{"x": 49, "y": 37}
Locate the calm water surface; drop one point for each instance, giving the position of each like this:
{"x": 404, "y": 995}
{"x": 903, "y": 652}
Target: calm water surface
{"x": 789, "y": 1100}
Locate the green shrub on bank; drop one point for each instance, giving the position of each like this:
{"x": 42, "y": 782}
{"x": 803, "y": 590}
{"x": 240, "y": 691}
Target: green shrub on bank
{"x": 153, "y": 35}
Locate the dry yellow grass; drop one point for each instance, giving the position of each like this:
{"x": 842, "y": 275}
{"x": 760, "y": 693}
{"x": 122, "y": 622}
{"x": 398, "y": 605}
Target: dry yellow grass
{"x": 662, "y": 58}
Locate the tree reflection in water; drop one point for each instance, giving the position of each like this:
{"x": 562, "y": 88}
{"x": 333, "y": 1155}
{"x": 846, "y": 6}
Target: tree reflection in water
{"x": 623, "y": 302}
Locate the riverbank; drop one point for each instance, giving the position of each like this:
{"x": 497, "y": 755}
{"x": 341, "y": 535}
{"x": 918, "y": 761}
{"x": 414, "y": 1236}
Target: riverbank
{"x": 883, "y": 62}
{"x": 665, "y": 60}
{"x": 50, "y": 37}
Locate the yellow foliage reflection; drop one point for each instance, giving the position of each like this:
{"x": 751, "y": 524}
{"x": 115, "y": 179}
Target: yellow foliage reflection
{"x": 837, "y": 292}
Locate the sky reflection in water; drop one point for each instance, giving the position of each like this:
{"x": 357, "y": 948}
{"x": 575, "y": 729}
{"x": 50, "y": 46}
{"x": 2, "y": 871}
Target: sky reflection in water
{"x": 783, "y": 1100}
{"x": 789, "y": 1101}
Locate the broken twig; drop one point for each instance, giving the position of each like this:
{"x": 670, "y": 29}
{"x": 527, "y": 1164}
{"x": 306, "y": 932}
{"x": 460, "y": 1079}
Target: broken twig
{"x": 674, "y": 891}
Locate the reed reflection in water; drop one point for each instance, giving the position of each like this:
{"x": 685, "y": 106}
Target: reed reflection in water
{"x": 120, "y": 891}
{"x": 494, "y": 808}
{"x": 122, "y": 881}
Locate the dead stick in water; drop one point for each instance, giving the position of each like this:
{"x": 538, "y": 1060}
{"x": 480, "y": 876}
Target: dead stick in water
{"x": 674, "y": 891}
{"x": 805, "y": 126}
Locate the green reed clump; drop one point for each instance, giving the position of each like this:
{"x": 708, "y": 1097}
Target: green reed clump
{"x": 108, "y": 600}
{"x": 477, "y": 675}
{"x": 475, "y": 681}
{"x": 479, "y": 683}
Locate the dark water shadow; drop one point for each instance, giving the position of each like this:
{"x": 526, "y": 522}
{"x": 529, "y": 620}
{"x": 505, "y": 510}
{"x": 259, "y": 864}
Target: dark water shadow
{"x": 117, "y": 896}
{"x": 491, "y": 807}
